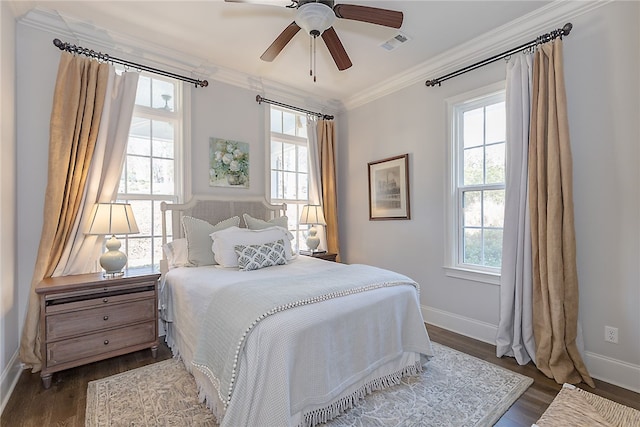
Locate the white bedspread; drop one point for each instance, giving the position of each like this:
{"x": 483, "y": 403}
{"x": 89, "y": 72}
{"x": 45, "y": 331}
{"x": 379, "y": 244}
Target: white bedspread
{"x": 309, "y": 349}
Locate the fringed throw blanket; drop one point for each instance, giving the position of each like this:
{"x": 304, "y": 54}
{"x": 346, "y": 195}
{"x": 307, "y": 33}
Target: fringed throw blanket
{"x": 236, "y": 310}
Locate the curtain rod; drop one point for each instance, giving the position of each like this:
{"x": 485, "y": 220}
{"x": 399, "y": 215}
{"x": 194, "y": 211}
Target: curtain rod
{"x": 564, "y": 31}
{"x": 71, "y": 48}
{"x": 260, "y": 100}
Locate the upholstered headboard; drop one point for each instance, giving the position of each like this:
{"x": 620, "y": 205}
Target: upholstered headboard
{"x": 213, "y": 210}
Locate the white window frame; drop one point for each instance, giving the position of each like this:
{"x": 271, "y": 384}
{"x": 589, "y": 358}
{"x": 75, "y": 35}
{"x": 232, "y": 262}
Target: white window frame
{"x": 453, "y": 201}
{"x": 181, "y": 152}
{"x": 299, "y": 233}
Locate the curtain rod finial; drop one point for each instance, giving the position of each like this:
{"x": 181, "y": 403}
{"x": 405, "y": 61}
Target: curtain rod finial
{"x": 567, "y": 28}
{"x": 258, "y": 99}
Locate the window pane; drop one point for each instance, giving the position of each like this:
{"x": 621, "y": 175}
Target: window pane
{"x": 472, "y": 208}
{"x": 163, "y": 139}
{"x": 289, "y": 157}
{"x": 276, "y": 155}
{"x": 143, "y": 93}
{"x": 473, "y": 128}
{"x": 276, "y": 185}
{"x": 163, "y": 94}
{"x": 288, "y": 123}
{"x": 157, "y": 250}
{"x": 139, "y": 252}
{"x": 493, "y": 208}
{"x": 303, "y": 186}
{"x": 289, "y": 185}
{"x": 276, "y": 120}
{"x": 142, "y": 214}
{"x": 138, "y": 175}
{"x": 139, "y": 137}
{"x": 496, "y": 123}
{"x": 473, "y": 166}
{"x": 493, "y": 248}
{"x": 163, "y": 176}
{"x": 472, "y": 246}
{"x": 495, "y": 163}
{"x": 303, "y": 158}
{"x": 302, "y": 126}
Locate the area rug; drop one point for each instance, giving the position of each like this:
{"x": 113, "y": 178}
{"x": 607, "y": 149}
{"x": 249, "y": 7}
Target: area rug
{"x": 455, "y": 389}
{"x": 574, "y": 406}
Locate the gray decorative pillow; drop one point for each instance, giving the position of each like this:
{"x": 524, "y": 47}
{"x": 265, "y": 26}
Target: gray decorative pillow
{"x": 197, "y": 232}
{"x": 254, "y": 257}
{"x": 259, "y": 224}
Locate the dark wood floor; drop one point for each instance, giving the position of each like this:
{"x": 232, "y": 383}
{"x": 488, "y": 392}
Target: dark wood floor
{"x": 64, "y": 403}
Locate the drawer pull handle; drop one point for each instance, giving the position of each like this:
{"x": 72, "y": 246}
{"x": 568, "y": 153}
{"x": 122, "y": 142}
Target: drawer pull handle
{"x": 105, "y": 300}
{"x": 105, "y": 318}
{"x": 106, "y": 342}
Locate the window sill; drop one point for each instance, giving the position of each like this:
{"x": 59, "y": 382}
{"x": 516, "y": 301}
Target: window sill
{"x": 473, "y": 275}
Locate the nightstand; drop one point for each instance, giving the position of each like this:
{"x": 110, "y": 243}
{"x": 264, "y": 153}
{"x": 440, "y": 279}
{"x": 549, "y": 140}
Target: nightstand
{"x": 328, "y": 256}
{"x": 85, "y": 318}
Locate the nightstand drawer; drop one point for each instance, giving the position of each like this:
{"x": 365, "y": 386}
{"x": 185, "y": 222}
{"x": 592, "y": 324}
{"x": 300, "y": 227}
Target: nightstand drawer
{"x": 77, "y": 301}
{"x": 99, "y": 343}
{"x": 86, "y": 321}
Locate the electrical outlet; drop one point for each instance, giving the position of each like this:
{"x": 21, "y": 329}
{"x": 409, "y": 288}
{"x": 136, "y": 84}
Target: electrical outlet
{"x": 611, "y": 334}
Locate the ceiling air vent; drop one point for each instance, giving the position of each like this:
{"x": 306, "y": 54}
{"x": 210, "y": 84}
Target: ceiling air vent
{"x": 395, "y": 41}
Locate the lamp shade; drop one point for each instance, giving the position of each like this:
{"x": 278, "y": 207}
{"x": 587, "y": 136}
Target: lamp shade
{"x": 315, "y": 18}
{"x": 112, "y": 218}
{"x": 312, "y": 214}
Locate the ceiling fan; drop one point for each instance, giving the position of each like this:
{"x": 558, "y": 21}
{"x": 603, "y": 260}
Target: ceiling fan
{"x": 316, "y": 17}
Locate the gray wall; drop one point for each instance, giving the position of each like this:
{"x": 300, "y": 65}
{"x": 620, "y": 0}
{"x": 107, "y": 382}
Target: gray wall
{"x": 602, "y": 74}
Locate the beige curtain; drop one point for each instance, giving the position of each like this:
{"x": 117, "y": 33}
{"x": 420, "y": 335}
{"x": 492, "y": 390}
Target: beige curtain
{"x": 75, "y": 118}
{"x": 555, "y": 278}
{"x": 82, "y": 251}
{"x": 326, "y": 144}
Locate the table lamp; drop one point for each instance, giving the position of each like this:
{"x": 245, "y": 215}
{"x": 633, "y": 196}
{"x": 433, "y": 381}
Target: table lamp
{"x": 312, "y": 215}
{"x": 112, "y": 218}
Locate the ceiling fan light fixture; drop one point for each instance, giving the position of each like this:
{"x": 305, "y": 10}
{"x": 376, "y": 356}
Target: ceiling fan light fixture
{"x": 315, "y": 18}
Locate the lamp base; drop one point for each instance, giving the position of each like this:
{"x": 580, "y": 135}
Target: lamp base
{"x": 313, "y": 241}
{"x": 113, "y": 261}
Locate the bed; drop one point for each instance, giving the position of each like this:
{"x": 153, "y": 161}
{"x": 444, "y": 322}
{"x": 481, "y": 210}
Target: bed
{"x": 292, "y": 344}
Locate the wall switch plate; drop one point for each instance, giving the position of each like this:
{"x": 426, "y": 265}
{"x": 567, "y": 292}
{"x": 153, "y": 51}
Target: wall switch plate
{"x": 611, "y": 334}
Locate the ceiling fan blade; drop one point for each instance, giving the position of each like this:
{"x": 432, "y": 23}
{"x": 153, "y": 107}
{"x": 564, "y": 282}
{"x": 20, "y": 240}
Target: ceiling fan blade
{"x": 336, "y": 49}
{"x": 372, "y": 15}
{"x": 280, "y": 42}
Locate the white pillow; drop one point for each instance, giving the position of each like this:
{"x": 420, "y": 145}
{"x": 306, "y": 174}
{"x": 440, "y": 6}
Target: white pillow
{"x": 177, "y": 253}
{"x": 197, "y": 232}
{"x": 259, "y": 224}
{"x": 225, "y": 241}
{"x": 255, "y": 257}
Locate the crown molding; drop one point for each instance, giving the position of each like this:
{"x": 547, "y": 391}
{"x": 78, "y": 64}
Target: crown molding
{"x": 514, "y": 33}
{"x": 134, "y": 49}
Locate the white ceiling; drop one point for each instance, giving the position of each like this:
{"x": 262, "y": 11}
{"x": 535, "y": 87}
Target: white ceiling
{"x": 234, "y": 35}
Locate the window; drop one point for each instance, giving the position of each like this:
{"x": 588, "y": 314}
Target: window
{"x": 289, "y": 167}
{"x": 151, "y": 172}
{"x": 478, "y": 185}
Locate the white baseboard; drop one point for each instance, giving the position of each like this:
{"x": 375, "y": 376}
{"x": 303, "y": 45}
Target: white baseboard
{"x": 462, "y": 325}
{"x": 9, "y": 379}
{"x": 604, "y": 368}
{"x": 613, "y": 371}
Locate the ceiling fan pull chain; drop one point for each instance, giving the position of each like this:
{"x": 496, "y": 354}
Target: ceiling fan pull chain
{"x": 311, "y": 55}
{"x": 314, "y": 58}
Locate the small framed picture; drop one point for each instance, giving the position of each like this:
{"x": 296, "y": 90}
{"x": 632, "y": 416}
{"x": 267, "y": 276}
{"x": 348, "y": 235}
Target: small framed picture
{"x": 389, "y": 188}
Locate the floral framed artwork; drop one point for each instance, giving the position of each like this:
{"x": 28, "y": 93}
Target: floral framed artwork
{"x": 229, "y": 163}
{"x": 389, "y": 188}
